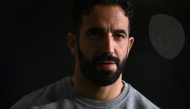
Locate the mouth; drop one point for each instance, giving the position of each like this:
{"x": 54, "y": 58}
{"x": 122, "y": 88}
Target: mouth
{"x": 106, "y": 65}
{"x": 106, "y": 62}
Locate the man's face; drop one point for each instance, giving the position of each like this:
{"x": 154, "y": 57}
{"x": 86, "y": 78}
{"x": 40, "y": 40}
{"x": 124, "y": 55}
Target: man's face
{"x": 103, "y": 44}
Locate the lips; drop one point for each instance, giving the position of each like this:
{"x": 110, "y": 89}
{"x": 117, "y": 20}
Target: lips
{"x": 106, "y": 64}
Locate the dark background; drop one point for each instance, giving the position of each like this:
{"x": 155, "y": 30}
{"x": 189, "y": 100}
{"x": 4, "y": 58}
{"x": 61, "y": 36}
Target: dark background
{"x": 34, "y": 52}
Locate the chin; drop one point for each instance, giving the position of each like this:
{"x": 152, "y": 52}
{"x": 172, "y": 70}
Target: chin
{"x": 106, "y": 72}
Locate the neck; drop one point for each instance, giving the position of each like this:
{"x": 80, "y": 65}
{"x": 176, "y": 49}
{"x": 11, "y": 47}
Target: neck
{"x": 82, "y": 85}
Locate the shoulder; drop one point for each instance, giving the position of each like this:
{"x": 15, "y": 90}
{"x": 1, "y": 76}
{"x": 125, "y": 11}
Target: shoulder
{"x": 45, "y": 95}
{"x": 137, "y": 101}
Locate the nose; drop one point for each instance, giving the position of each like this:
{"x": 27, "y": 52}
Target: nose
{"x": 108, "y": 44}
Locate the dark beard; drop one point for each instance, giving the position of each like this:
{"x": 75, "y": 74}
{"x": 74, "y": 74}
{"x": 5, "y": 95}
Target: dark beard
{"x": 104, "y": 77}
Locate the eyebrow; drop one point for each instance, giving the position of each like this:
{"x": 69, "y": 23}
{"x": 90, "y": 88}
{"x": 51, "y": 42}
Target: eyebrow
{"x": 102, "y": 30}
{"x": 120, "y": 31}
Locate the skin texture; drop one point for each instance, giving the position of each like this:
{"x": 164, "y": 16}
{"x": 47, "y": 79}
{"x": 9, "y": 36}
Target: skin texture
{"x": 104, "y": 30}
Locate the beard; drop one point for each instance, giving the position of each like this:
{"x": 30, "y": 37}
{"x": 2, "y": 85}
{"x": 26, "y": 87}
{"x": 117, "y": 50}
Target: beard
{"x": 102, "y": 77}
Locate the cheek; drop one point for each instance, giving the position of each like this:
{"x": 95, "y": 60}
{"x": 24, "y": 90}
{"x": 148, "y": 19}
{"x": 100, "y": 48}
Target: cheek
{"x": 121, "y": 50}
{"x": 88, "y": 50}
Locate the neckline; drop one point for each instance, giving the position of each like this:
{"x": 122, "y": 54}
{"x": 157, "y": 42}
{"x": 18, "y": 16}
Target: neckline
{"x": 96, "y": 104}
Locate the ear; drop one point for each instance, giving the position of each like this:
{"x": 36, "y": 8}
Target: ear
{"x": 72, "y": 43}
{"x": 130, "y": 44}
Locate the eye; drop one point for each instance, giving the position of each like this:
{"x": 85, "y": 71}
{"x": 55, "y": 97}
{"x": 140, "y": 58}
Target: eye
{"x": 119, "y": 36}
{"x": 94, "y": 34}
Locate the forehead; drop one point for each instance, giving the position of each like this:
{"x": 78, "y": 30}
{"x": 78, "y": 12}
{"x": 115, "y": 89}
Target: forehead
{"x": 105, "y": 17}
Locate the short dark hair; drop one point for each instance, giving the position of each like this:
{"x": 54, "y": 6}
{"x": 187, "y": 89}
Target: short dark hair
{"x": 84, "y": 7}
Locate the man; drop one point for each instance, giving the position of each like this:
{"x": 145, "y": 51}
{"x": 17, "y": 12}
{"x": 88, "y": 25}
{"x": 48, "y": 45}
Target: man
{"x": 100, "y": 43}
